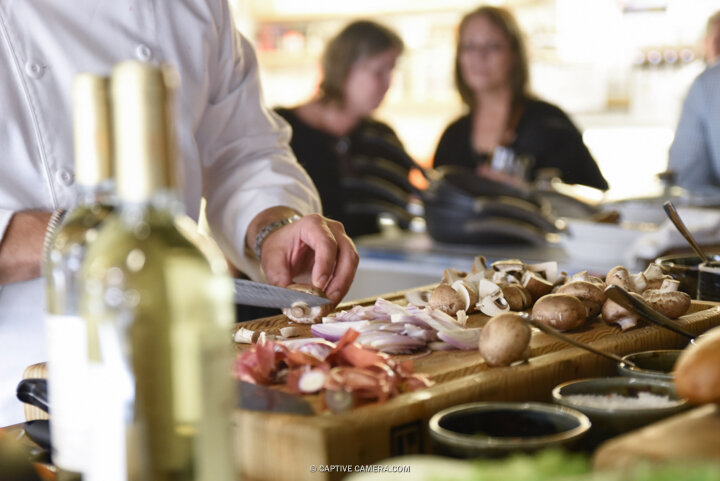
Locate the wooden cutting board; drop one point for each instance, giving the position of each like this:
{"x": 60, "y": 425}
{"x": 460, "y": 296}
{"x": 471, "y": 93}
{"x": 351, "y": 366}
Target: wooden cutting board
{"x": 692, "y": 435}
{"x": 275, "y": 446}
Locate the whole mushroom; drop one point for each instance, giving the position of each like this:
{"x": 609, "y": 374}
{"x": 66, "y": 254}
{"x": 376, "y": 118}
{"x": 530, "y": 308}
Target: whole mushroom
{"x": 614, "y": 313}
{"x": 504, "y": 339}
{"x": 301, "y": 312}
{"x": 591, "y": 294}
{"x": 561, "y": 311}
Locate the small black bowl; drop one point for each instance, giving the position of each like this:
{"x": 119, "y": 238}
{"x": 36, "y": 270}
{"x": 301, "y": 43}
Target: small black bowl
{"x": 684, "y": 268}
{"x": 658, "y": 364}
{"x": 492, "y": 429}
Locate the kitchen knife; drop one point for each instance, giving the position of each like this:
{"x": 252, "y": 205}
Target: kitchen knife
{"x": 252, "y": 293}
{"x": 638, "y": 306}
{"x": 256, "y": 397}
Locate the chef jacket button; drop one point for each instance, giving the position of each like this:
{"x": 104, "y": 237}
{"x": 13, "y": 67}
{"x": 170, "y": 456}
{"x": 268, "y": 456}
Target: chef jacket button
{"x": 65, "y": 177}
{"x": 34, "y": 69}
{"x": 143, "y": 52}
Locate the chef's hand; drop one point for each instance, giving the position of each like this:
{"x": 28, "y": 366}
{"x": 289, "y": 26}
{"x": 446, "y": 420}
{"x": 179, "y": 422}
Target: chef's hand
{"x": 313, "y": 245}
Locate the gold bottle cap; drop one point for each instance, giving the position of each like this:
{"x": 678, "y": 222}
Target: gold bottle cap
{"x": 91, "y": 127}
{"x": 142, "y": 130}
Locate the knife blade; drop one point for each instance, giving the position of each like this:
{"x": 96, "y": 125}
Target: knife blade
{"x": 266, "y": 295}
{"x": 256, "y": 397}
{"x": 632, "y": 303}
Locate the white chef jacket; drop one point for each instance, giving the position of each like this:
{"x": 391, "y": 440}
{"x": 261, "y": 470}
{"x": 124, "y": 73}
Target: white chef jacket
{"x": 234, "y": 150}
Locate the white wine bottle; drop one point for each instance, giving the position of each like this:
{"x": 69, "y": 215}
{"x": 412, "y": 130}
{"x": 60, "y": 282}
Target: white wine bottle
{"x": 65, "y": 249}
{"x": 158, "y": 301}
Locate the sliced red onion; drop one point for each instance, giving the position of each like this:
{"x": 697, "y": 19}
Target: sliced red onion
{"x": 466, "y": 339}
{"x": 418, "y": 332}
{"x": 389, "y": 343}
{"x": 333, "y": 331}
{"x": 317, "y": 347}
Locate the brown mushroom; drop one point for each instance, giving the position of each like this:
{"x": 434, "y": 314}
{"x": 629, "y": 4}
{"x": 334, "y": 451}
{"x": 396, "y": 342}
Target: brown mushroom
{"x": 446, "y": 299}
{"x": 561, "y": 311}
{"x": 504, "y": 339}
{"x": 673, "y": 304}
{"x": 619, "y": 276}
{"x": 304, "y": 314}
{"x": 614, "y": 313}
{"x": 697, "y": 371}
{"x": 517, "y": 297}
{"x": 536, "y": 285}
{"x": 592, "y": 295}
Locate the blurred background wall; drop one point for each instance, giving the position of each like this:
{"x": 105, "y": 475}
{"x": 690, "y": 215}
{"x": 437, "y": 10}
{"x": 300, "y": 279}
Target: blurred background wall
{"x": 619, "y": 67}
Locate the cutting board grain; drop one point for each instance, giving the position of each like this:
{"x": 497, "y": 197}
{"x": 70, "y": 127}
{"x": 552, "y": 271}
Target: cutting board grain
{"x": 280, "y": 446}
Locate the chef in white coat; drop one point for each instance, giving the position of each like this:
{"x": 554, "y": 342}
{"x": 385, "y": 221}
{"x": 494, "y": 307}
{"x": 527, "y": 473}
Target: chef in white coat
{"x": 234, "y": 151}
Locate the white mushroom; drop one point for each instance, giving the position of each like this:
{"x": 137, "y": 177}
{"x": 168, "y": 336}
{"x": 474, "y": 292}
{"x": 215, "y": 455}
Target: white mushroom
{"x": 491, "y": 301}
{"x": 301, "y": 312}
{"x": 548, "y": 270}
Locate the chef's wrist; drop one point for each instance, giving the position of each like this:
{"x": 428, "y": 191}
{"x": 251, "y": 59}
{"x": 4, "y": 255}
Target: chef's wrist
{"x": 266, "y": 223}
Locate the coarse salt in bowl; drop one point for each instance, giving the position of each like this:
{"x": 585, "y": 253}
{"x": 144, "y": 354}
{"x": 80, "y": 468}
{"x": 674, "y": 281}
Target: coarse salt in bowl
{"x": 619, "y": 404}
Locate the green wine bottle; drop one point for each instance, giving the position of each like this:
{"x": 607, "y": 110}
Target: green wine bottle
{"x": 65, "y": 249}
{"x": 158, "y": 301}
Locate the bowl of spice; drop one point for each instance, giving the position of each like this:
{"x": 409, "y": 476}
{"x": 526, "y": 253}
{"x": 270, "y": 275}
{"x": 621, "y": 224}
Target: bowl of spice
{"x": 657, "y": 364}
{"x": 619, "y": 404}
{"x": 492, "y": 429}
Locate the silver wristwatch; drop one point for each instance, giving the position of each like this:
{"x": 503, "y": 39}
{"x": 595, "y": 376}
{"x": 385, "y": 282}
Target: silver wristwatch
{"x": 269, "y": 229}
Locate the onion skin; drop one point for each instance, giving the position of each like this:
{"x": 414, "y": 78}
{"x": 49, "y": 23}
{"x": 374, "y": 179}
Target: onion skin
{"x": 697, "y": 372}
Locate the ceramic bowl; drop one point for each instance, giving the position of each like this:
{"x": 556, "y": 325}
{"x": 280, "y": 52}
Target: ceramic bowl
{"x": 651, "y": 364}
{"x": 490, "y": 429}
{"x": 650, "y": 400}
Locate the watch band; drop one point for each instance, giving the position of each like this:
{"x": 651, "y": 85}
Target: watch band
{"x": 55, "y": 219}
{"x": 269, "y": 229}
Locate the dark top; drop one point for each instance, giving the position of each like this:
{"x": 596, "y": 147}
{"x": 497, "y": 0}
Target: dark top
{"x": 358, "y": 176}
{"x": 543, "y": 132}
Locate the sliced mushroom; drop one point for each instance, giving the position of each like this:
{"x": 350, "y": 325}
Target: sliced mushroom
{"x": 561, "y": 311}
{"x": 504, "y": 339}
{"x": 451, "y": 275}
{"x": 547, "y": 270}
{"x": 468, "y": 293}
{"x": 509, "y": 265}
{"x": 479, "y": 265}
{"x": 517, "y": 297}
{"x": 536, "y": 285}
{"x": 446, "y": 299}
{"x": 491, "y": 301}
{"x": 304, "y": 314}
{"x": 592, "y": 295}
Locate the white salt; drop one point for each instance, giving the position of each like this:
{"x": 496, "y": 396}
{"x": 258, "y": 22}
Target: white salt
{"x": 616, "y": 401}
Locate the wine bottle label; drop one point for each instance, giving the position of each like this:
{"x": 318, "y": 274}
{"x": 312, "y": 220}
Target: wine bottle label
{"x": 111, "y": 409}
{"x": 67, "y": 389}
